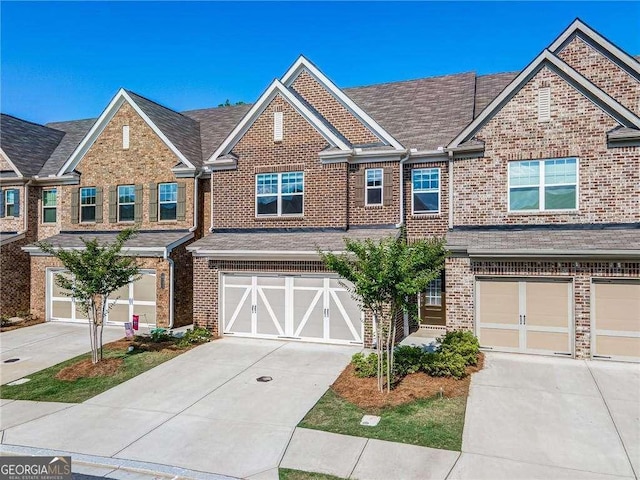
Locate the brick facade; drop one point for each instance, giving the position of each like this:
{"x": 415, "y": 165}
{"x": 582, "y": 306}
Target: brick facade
{"x": 609, "y": 179}
{"x": 604, "y": 73}
{"x": 16, "y": 274}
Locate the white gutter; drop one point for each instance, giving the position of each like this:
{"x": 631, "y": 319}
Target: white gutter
{"x": 403, "y": 160}
{"x": 195, "y": 201}
{"x": 450, "y": 190}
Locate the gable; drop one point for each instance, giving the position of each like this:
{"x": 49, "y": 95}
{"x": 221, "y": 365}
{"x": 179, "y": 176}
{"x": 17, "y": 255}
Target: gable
{"x": 107, "y": 162}
{"x": 98, "y": 127}
{"x": 602, "y": 71}
{"x": 332, "y": 110}
{"x": 576, "y": 122}
{"x": 548, "y": 60}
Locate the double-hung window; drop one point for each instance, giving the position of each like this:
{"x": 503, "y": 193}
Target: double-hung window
{"x": 49, "y": 205}
{"x": 433, "y": 293}
{"x": 168, "y": 200}
{"x": 88, "y": 204}
{"x": 126, "y": 203}
{"x": 373, "y": 187}
{"x": 10, "y": 202}
{"x": 425, "y": 187}
{"x": 279, "y": 194}
{"x": 540, "y": 185}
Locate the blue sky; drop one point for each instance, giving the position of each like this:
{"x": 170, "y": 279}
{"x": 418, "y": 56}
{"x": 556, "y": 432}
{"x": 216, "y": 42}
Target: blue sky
{"x": 63, "y": 61}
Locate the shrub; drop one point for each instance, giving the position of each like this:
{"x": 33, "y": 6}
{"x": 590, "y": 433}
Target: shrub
{"x": 197, "y": 335}
{"x": 365, "y": 365}
{"x": 463, "y": 343}
{"x": 407, "y": 359}
{"x": 444, "y": 364}
{"x": 159, "y": 335}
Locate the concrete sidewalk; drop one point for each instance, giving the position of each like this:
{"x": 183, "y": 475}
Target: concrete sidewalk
{"x": 44, "y": 345}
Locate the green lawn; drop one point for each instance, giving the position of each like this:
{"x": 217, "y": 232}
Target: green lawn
{"x": 288, "y": 474}
{"x": 432, "y": 422}
{"x": 46, "y": 388}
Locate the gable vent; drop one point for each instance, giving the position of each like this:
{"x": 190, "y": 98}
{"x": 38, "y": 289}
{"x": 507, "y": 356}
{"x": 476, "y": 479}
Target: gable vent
{"x": 277, "y": 126}
{"x": 125, "y": 137}
{"x": 544, "y": 104}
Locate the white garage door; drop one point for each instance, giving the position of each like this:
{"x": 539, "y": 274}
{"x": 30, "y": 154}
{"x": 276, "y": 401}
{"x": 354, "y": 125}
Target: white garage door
{"x": 310, "y": 308}
{"x": 525, "y": 315}
{"x": 136, "y": 298}
{"x": 615, "y": 314}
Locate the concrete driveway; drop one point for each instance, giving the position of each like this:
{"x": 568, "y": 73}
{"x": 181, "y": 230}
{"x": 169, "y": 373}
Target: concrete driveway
{"x": 44, "y": 345}
{"x": 539, "y": 417}
{"x": 203, "y": 410}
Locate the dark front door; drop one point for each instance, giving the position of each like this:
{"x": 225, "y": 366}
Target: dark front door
{"x": 432, "y": 304}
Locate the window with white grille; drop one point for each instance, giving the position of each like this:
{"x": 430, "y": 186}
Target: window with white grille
{"x": 433, "y": 294}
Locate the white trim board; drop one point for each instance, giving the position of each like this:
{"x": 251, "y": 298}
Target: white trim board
{"x": 593, "y": 38}
{"x": 302, "y": 64}
{"x": 604, "y": 101}
{"x": 11, "y": 164}
{"x": 98, "y": 127}
{"x": 260, "y": 106}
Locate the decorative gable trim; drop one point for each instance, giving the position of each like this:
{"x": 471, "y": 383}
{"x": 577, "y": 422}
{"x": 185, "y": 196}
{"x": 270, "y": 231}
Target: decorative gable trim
{"x": 610, "y": 106}
{"x": 260, "y": 106}
{"x": 11, "y": 164}
{"x": 303, "y": 64}
{"x": 98, "y": 127}
{"x": 594, "y": 39}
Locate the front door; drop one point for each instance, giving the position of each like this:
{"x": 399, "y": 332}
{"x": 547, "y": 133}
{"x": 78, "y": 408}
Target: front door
{"x": 431, "y": 304}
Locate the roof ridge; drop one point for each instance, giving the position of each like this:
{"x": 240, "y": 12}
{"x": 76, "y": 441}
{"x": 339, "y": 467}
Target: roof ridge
{"x": 395, "y": 82}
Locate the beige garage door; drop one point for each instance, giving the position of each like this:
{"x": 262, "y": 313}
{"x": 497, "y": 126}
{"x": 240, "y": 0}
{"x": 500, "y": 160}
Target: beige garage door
{"x": 136, "y": 298}
{"x": 524, "y": 315}
{"x": 615, "y": 307}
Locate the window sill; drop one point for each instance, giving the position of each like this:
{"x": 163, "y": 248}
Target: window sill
{"x": 374, "y": 206}
{"x": 528, "y": 213}
{"x": 426, "y": 215}
{"x": 168, "y": 222}
{"x": 277, "y": 218}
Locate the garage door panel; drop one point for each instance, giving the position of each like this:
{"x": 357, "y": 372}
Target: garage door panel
{"x": 308, "y": 311}
{"x": 344, "y": 317}
{"x": 61, "y": 309}
{"x": 548, "y": 341}
{"x": 500, "y": 303}
{"x": 119, "y": 312}
{"x": 144, "y": 289}
{"x": 237, "y": 309}
{"x": 271, "y": 306}
{"x": 147, "y": 313}
{"x": 547, "y": 304}
{"x": 497, "y": 337}
{"x": 618, "y": 307}
{"x": 618, "y": 346}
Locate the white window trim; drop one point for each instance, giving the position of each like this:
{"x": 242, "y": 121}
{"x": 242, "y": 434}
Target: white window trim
{"x": 278, "y": 195}
{"x": 54, "y": 207}
{"x": 95, "y": 193}
{"x": 367, "y": 188}
{"x": 7, "y": 204}
{"x": 541, "y": 188}
{"x": 160, "y": 203}
{"x": 422, "y": 212}
{"x": 127, "y": 203}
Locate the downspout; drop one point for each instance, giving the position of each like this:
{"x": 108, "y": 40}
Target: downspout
{"x": 195, "y": 201}
{"x": 25, "y": 209}
{"x": 403, "y": 160}
{"x": 450, "y": 190}
{"x": 211, "y": 201}
{"x": 171, "y": 269}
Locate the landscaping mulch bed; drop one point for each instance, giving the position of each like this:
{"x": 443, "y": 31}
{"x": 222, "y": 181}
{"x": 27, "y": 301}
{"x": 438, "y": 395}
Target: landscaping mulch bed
{"x": 87, "y": 369}
{"x": 364, "y": 393}
{"x": 26, "y": 323}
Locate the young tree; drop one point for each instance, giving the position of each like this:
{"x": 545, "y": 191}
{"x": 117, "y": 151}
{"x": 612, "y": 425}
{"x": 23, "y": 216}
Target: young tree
{"x": 385, "y": 277}
{"x": 95, "y": 272}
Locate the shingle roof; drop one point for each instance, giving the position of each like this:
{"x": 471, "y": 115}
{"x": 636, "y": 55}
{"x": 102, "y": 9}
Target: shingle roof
{"x": 181, "y": 130}
{"x": 425, "y": 113}
{"x": 216, "y": 124}
{"x": 488, "y": 87}
{"x": 74, "y": 132}
{"x": 158, "y": 239}
{"x": 292, "y": 241}
{"x": 28, "y": 145}
{"x": 553, "y": 241}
